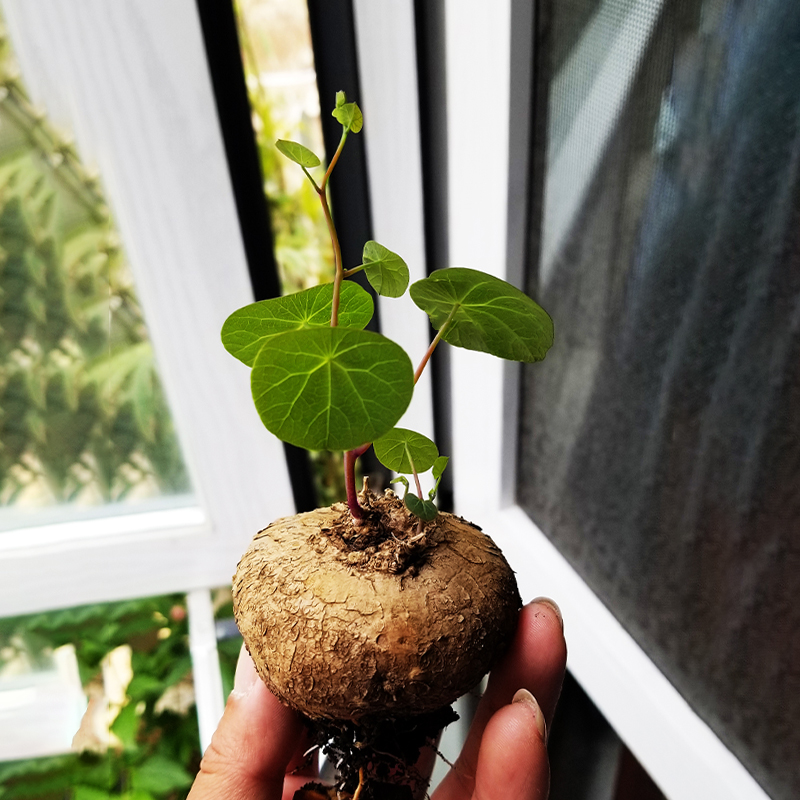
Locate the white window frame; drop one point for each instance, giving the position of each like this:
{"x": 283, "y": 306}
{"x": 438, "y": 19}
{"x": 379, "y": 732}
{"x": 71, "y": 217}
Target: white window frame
{"x": 131, "y": 81}
{"x": 677, "y": 748}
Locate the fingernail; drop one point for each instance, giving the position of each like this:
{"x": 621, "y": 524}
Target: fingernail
{"x": 546, "y": 601}
{"x": 245, "y": 677}
{"x": 525, "y": 698}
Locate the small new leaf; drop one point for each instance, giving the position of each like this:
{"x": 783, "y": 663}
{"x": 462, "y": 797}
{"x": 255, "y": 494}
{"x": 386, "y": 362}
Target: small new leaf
{"x": 439, "y": 467}
{"x": 385, "y": 270}
{"x": 424, "y": 509}
{"x": 401, "y": 479}
{"x": 298, "y": 153}
{"x": 402, "y": 450}
{"x": 331, "y": 388}
{"x": 485, "y": 313}
{"x": 246, "y": 330}
{"x": 349, "y": 114}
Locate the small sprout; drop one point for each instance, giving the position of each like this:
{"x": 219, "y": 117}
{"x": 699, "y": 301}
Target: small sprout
{"x": 349, "y": 114}
{"x": 402, "y": 450}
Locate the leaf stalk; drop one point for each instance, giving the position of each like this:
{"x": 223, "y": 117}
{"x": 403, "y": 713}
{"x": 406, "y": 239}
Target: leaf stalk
{"x": 436, "y": 339}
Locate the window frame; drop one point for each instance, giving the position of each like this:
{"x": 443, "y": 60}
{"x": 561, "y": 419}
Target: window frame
{"x": 147, "y": 130}
{"x": 676, "y": 747}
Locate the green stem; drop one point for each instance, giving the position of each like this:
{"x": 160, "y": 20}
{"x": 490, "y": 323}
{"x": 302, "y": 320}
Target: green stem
{"x": 352, "y": 271}
{"x": 335, "y": 158}
{"x": 427, "y": 357}
{"x": 337, "y": 258}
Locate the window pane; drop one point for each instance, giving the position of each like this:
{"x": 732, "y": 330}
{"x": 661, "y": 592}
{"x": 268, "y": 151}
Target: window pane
{"x": 83, "y": 417}
{"x": 660, "y": 447}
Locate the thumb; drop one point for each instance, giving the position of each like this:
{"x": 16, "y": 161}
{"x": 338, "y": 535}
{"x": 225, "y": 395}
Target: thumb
{"x": 251, "y": 749}
{"x": 512, "y": 761}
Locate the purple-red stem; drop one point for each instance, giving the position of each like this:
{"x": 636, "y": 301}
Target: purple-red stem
{"x": 350, "y": 485}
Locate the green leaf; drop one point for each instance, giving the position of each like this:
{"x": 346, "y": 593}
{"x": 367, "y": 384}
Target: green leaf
{"x": 424, "y": 509}
{"x": 246, "y": 330}
{"x": 90, "y": 793}
{"x": 488, "y": 314}
{"x": 160, "y": 775}
{"x": 398, "y": 448}
{"x": 331, "y": 388}
{"x": 298, "y": 153}
{"x": 385, "y": 270}
{"x": 349, "y": 114}
{"x": 439, "y": 467}
{"x": 126, "y": 726}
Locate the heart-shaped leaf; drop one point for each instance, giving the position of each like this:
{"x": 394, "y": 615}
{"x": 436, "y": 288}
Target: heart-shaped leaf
{"x": 246, "y": 330}
{"x": 385, "y": 270}
{"x": 484, "y": 313}
{"x": 424, "y": 509}
{"x": 349, "y": 114}
{"x": 331, "y": 388}
{"x": 298, "y": 153}
{"x": 398, "y": 448}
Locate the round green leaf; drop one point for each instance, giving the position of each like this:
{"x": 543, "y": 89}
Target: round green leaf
{"x": 399, "y": 447}
{"x": 488, "y": 314}
{"x": 425, "y": 509}
{"x": 349, "y": 114}
{"x": 246, "y": 330}
{"x": 298, "y": 153}
{"x": 331, "y": 388}
{"x": 385, "y": 270}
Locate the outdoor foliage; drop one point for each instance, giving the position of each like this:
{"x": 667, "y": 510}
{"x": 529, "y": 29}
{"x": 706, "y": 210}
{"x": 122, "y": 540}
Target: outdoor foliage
{"x": 158, "y": 751}
{"x": 82, "y": 413}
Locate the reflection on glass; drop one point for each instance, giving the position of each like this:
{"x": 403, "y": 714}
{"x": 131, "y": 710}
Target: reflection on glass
{"x": 661, "y": 437}
{"x": 83, "y": 417}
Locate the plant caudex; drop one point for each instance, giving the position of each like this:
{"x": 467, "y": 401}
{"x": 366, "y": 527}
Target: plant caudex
{"x": 322, "y": 382}
{"x": 371, "y": 618}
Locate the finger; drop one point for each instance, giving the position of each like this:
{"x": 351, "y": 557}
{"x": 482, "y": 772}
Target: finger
{"x": 251, "y": 749}
{"x": 513, "y": 757}
{"x": 535, "y": 661}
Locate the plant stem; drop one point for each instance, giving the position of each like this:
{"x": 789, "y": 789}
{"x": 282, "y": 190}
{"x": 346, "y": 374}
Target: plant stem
{"x": 337, "y": 250}
{"x": 427, "y": 357}
{"x": 350, "y": 483}
{"x": 337, "y": 259}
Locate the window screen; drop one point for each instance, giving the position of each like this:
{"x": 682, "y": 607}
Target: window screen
{"x": 660, "y": 440}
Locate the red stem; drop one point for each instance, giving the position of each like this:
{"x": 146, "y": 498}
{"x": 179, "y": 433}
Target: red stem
{"x": 350, "y": 484}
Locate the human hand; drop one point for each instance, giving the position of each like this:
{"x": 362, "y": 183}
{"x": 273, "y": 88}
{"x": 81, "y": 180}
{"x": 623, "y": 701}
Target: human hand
{"x": 259, "y": 742}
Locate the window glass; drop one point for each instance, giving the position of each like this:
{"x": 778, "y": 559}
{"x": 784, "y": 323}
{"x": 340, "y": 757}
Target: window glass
{"x": 660, "y": 439}
{"x": 83, "y": 417}
{"x": 275, "y": 37}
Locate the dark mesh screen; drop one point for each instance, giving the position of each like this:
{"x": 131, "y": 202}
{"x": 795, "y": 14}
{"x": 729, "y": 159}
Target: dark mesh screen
{"x": 660, "y": 440}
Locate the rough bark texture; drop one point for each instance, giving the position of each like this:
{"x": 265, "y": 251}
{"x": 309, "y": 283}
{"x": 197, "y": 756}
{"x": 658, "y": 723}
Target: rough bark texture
{"x": 345, "y": 622}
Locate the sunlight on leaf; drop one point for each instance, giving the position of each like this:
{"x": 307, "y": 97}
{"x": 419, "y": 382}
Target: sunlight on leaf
{"x": 246, "y": 330}
{"x": 489, "y": 314}
{"x": 349, "y": 114}
{"x": 331, "y": 388}
{"x": 385, "y": 270}
{"x": 298, "y": 153}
